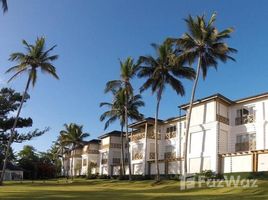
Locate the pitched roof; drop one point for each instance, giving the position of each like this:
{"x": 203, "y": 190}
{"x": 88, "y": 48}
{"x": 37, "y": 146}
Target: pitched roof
{"x": 112, "y": 133}
{"x": 214, "y": 96}
{"x": 149, "y": 120}
{"x": 227, "y": 100}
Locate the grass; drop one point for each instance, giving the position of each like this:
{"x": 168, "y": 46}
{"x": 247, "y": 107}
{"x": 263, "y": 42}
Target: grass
{"x": 114, "y": 190}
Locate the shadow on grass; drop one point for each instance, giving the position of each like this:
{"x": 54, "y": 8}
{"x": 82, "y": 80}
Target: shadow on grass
{"x": 114, "y": 190}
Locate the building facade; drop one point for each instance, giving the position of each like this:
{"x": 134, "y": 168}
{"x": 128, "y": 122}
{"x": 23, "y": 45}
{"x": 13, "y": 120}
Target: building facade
{"x": 225, "y": 136}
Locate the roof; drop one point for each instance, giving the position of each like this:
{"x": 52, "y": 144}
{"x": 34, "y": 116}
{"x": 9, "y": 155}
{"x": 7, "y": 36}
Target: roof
{"x": 95, "y": 141}
{"x": 225, "y": 99}
{"x": 10, "y": 166}
{"x": 175, "y": 118}
{"x": 258, "y": 96}
{"x": 150, "y": 120}
{"x": 214, "y": 96}
{"x": 112, "y": 133}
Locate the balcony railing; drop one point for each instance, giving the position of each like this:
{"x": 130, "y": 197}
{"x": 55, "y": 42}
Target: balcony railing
{"x": 245, "y": 119}
{"x": 170, "y": 155}
{"x": 111, "y": 145}
{"x": 170, "y": 135}
{"x": 152, "y": 136}
{"x": 104, "y": 146}
{"x": 137, "y": 137}
{"x": 115, "y": 145}
{"x": 137, "y": 156}
{"x": 245, "y": 146}
{"x": 93, "y": 151}
{"x": 222, "y": 119}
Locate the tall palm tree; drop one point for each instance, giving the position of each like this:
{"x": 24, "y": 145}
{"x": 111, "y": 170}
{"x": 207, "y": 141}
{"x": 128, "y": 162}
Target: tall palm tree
{"x": 4, "y": 5}
{"x": 36, "y": 57}
{"x": 116, "y": 111}
{"x": 204, "y": 45}
{"x": 73, "y": 136}
{"x": 61, "y": 149}
{"x": 128, "y": 71}
{"x": 161, "y": 71}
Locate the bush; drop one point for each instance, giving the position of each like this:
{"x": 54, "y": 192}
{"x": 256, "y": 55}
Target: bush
{"x": 103, "y": 176}
{"x": 208, "y": 175}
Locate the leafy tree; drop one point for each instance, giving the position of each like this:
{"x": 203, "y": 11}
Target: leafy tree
{"x": 28, "y": 159}
{"x": 73, "y": 136}
{"x": 161, "y": 71}
{"x": 36, "y": 57}
{"x": 204, "y": 45}
{"x": 116, "y": 111}
{"x": 128, "y": 71}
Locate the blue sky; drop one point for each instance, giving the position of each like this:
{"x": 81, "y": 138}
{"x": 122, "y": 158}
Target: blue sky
{"x": 93, "y": 34}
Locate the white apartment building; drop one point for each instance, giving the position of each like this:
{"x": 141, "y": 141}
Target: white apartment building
{"x": 225, "y": 136}
{"x": 110, "y": 153}
{"x": 91, "y": 157}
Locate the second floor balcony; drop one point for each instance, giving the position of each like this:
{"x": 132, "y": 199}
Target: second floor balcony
{"x": 170, "y": 155}
{"x": 245, "y": 146}
{"x": 137, "y": 156}
{"x": 170, "y": 135}
{"x": 245, "y": 119}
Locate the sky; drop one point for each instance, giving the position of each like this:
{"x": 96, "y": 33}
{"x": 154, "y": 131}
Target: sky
{"x": 91, "y": 37}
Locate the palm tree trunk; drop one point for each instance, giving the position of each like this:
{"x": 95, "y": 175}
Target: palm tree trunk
{"x": 127, "y": 139}
{"x": 188, "y": 118}
{"x": 122, "y": 153}
{"x": 12, "y": 131}
{"x": 156, "y": 141}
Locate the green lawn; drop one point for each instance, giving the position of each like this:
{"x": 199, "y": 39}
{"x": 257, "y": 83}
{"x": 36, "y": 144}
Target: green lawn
{"x": 117, "y": 190}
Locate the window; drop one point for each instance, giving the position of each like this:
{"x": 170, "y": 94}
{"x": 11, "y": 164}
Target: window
{"x": 171, "y": 129}
{"x": 104, "y": 155}
{"x": 84, "y": 162}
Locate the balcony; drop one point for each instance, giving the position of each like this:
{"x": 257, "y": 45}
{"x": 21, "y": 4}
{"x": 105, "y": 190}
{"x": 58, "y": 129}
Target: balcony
{"x": 152, "y": 136}
{"x": 245, "y": 120}
{"x": 92, "y": 151}
{"x": 245, "y": 146}
{"x": 137, "y": 156}
{"x": 104, "y": 146}
{"x": 170, "y": 135}
{"x": 104, "y": 161}
{"x": 111, "y": 145}
{"x": 222, "y": 119}
{"x": 138, "y": 136}
{"x": 170, "y": 155}
{"x": 115, "y": 146}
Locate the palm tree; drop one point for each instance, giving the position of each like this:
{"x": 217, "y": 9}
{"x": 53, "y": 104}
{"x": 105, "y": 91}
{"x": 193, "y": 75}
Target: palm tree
{"x": 128, "y": 71}
{"x": 61, "y": 149}
{"x": 205, "y": 45}
{"x": 36, "y": 57}
{"x": 116, "y": 111}
{"x": 160, "y": 72}
{"x": 4, "y": 5}
{"x": 73, "y": 136}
